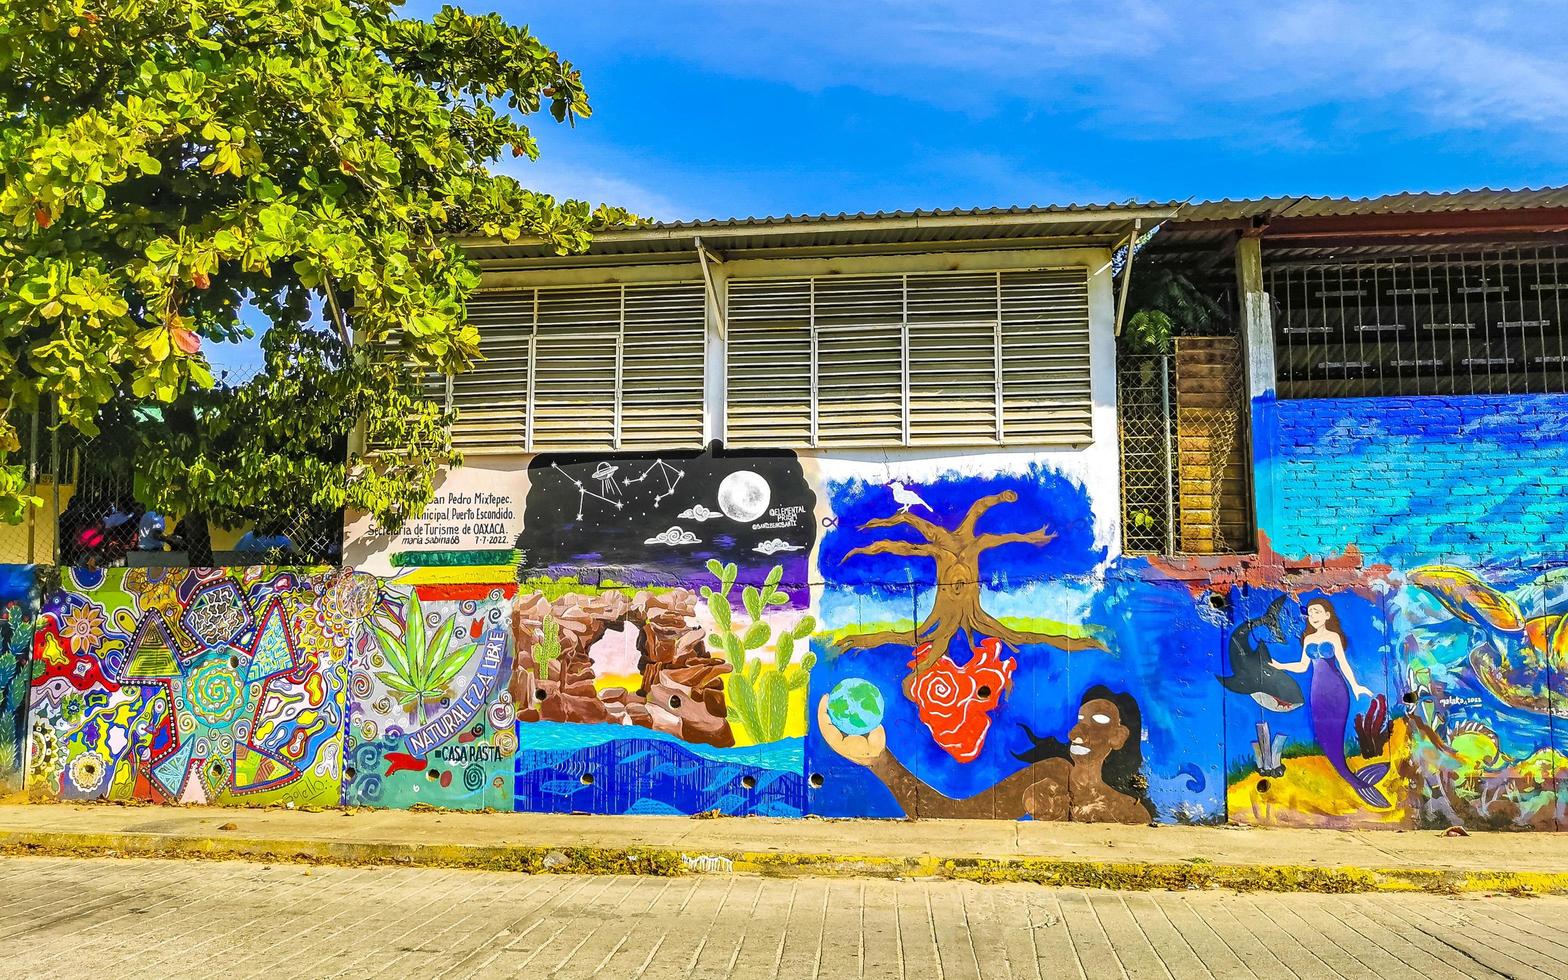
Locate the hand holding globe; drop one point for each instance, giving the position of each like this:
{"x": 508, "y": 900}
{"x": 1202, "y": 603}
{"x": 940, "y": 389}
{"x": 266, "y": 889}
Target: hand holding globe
{"x": 849, "y": 719}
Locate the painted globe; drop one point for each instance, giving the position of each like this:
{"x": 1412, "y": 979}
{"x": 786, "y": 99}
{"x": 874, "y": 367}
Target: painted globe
{"x": 855, "y": 706}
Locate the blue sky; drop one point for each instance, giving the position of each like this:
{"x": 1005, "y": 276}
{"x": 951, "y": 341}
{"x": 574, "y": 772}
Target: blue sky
{"x": 713, "y": 109}
{"x": 751, "y": 107}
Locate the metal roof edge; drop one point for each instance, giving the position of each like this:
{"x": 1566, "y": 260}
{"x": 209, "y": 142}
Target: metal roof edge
{"x": 718, "y": 229}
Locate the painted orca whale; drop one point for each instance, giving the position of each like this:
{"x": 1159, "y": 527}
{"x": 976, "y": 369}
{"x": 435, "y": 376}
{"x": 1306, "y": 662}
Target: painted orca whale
{"x": 1250, "y": 671}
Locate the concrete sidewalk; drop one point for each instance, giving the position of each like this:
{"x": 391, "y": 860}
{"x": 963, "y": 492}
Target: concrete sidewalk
{"x": 1065, "y": 854}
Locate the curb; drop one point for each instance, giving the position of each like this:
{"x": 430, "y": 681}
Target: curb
{"x": 668, "y": 862}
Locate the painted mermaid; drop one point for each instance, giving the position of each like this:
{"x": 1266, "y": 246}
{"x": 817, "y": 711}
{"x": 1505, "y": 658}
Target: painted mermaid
{"x": 1330, "y": 696}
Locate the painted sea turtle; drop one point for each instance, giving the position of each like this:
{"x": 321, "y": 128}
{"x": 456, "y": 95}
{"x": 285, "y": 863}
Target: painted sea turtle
{"x": 1521, "y": 660}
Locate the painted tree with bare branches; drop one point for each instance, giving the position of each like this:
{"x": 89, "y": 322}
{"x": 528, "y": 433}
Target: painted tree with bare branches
{"x": 957, "y": 605}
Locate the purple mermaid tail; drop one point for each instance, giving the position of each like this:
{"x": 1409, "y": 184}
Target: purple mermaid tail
{"x": 1330, "y": 705}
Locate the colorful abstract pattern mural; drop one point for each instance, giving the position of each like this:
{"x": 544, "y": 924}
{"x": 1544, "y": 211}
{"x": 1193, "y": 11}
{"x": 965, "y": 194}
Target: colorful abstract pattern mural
{"x": 18, "y": 607}
{"x": 757, "y": 633}
{"x": 192, "y": 686}
{"x": 431, "y": 717}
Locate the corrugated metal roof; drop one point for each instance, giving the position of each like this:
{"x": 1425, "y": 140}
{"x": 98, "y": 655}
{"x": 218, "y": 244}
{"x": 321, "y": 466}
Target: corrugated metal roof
{"x": 1079, "y": 222}
{"x": 1098, "y": 223}
{"x": 1410, "y": 202}
{"x": 803, "y": 219}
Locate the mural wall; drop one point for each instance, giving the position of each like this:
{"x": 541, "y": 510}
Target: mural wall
{"x": 18, "y": 608}
{"x": 761, "y": 633}
{"x": 1451, "y": 640}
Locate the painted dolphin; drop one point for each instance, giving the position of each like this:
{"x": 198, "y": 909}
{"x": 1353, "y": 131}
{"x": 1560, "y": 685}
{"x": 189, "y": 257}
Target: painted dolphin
{"x": 1250, "y": 671}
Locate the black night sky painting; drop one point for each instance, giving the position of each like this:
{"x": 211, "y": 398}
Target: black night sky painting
{"x": 658, "y": 519}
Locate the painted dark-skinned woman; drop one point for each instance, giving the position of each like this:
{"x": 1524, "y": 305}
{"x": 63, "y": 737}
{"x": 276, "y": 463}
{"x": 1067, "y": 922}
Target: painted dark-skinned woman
{"x": 1092, "y": 777}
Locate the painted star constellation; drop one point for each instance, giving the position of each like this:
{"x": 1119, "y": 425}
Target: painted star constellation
{"x": 607, "y": 487}
{"x": 671, "y": 474}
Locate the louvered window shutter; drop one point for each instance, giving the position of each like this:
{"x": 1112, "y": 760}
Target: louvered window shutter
{"x": 598, "y": 367}
{"x": 952, "y": 360}
{"x": 576, "y": 369}
{"x": 958, "y": 359}
{"x": 1045, "y": 358}
{"x": 492, "y": 399}
{"x": 769, "y": 363}
{"x": 429, "y": 386}
{"x": 662, "y": 359}
{"x": 860, "y": 361}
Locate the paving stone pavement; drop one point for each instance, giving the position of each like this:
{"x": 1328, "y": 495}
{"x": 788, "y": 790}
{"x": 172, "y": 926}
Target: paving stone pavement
{"x": 70, "y": 917}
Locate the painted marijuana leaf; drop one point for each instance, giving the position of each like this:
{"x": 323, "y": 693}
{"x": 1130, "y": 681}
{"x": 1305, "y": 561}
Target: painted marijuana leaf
{"x": 419, "y": 668}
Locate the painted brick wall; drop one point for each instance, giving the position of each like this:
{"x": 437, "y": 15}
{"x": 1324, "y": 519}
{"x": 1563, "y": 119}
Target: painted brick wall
{"x": 1478, "y": 478}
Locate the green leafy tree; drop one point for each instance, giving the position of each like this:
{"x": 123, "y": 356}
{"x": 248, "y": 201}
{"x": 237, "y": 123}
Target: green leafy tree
{"x": 1163, "y": 303}
{"x": 166, "y": 162}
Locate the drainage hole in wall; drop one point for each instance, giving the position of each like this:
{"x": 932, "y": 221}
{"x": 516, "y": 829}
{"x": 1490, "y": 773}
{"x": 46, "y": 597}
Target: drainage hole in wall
{"x": 1263, "y": 786}
{"x": 234, "y": 662}
{"x": 539, "y": 694}
{"x": 1218, "y": 601}
{"x": 586, "y": 779}
{"x": 748, "y": 782}
{"x": 1411, "y": 697}
{"x": 815, "y": 780}
{"x": 983, "y": 691}
{"x": 351, "y": 772}
{"x": 432, "y": 775}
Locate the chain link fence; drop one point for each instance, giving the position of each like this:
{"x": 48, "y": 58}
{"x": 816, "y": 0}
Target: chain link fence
{"x": 1185, "y": 487}
{"x": 1144, "y": 399}
{"x": 92, "y": 514}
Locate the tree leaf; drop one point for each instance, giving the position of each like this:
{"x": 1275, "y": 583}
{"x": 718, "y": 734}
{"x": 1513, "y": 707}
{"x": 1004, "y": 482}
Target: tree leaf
{"x": 435, "y": 649}
{"x": 392, "y": 648}
{"x": 414, "y": 636}
{"x": 451, "y": 666}
{"x": 395, "y": 682}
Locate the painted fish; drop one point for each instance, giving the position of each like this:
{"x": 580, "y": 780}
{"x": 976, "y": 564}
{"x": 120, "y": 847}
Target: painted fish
{"x": 562, "y": 787}
{"x": 403, "y": 762}
{"x": 1250, "y": 671}
{"x": 1469, "y": 598}
{"x": 1522, "y": 662}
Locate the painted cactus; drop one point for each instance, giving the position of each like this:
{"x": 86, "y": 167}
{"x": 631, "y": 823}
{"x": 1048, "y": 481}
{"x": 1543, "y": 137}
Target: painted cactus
{"x": 759, "y": 691}
{"x": 547, "y": 646}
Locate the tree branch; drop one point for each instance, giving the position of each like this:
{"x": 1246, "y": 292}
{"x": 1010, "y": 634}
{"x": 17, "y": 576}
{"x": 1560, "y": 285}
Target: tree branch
{"x": 927, "y": 529}
{"x": 907, "y": 549}
{"x": 1043, "y": 536}
{"x": 979, "y": 507}
{"x": 869, "y": 641}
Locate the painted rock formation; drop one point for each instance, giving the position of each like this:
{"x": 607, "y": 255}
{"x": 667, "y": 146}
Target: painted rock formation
{"x": 680, "y": 687}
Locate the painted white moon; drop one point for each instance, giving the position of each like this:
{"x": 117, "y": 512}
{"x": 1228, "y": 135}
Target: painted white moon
{"x": 744, "y": 496}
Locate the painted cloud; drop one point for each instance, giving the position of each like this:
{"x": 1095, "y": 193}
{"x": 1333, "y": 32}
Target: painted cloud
{"x": 773, "y": 546}
{"x": 698, "y": 513}
{"x": 674, "y": 536}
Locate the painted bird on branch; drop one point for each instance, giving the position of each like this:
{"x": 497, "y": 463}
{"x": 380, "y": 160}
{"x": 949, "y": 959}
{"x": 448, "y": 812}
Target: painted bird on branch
{"x": 907, "y": 498}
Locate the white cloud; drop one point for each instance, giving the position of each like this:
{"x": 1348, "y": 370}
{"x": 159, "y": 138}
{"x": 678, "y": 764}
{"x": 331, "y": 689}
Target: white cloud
{"x": 553, "y": 173}
{"x": 676, "y": 535}
{"x": 698, "y": 513}
{"x": 1168, "y": 70}
{"x": 773, "y": 546}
